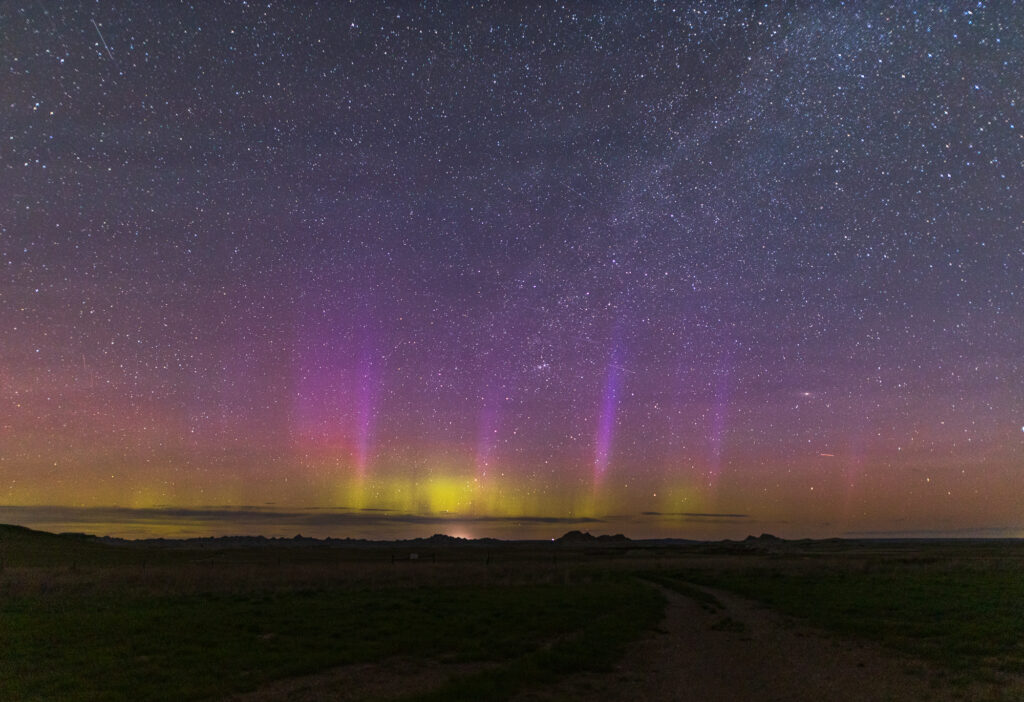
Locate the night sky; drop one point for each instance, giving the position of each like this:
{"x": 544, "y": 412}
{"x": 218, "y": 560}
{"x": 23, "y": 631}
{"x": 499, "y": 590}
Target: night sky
{"x": 694, "y": 269}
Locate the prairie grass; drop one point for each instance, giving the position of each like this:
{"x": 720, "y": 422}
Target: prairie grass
{"x": 92, "y": 625}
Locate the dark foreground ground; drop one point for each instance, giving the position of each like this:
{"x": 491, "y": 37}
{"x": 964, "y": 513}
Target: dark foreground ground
{"x": 576, "y": 619}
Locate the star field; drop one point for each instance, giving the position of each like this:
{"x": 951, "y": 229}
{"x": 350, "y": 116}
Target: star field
{"x": 692, "y": 267}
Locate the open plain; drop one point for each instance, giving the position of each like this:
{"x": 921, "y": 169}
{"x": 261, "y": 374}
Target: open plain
{"x": 578, "y": 618}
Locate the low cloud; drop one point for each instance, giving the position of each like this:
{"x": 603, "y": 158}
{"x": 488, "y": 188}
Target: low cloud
{"x": 256, "y": 516}
{"x": 708, "y": 517}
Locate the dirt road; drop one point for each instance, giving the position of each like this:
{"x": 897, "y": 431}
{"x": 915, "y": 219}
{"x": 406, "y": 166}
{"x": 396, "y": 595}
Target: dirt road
{"x": 747, "y": 653}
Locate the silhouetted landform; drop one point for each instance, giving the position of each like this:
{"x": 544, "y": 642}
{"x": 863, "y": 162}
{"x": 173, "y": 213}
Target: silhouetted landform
{"x": 296, "y": 541}
{"x": 572, "y": 540}
{"x": 585, "y": 537}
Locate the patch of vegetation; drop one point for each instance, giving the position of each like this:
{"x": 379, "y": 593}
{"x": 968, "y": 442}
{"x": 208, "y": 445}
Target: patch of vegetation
{"x": 593, "y": 647}
{"x": 131, "y": 645}
{"x": 729, "y": 624}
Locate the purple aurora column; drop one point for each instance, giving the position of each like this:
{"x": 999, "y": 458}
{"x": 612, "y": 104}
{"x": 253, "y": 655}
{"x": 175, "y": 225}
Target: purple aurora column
{"x": 609, "y": 408}
{"x": 719, "y": 412}
{"x": 366, "y": 408}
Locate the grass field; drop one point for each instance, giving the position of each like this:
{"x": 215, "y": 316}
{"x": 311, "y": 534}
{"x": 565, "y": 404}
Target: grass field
{"x": 118, "y": 631}
{"x": 82, "y": 620}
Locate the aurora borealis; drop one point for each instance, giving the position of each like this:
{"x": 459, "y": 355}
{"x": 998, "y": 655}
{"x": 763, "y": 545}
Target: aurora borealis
{"x": 694, "y": 269}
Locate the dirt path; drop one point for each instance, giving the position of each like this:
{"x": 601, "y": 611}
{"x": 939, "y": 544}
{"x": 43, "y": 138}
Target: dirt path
{"x": 745, "y": 652}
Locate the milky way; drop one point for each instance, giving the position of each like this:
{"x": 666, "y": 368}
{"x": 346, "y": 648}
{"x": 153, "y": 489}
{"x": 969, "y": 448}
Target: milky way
{"x": 684, "y": 268}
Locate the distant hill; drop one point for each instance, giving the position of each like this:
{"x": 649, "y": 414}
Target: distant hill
{"x": 585, "y": 537}
{"x": 28, "y": 547}
{"x": 23, "y": 546}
